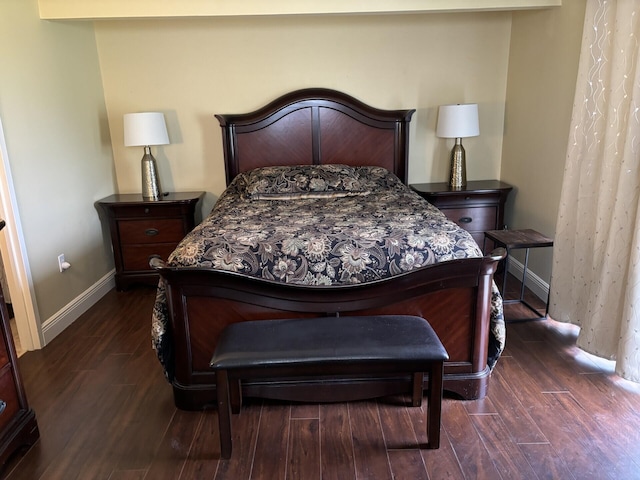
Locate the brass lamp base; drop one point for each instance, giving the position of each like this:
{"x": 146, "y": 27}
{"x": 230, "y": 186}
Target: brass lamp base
{"x": 458, "y": 173}
{"x": 150, "y": 181}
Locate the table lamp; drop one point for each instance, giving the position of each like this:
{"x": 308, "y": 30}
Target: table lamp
{"x": 458, "y": 121}
{"x": 144, "y": 130}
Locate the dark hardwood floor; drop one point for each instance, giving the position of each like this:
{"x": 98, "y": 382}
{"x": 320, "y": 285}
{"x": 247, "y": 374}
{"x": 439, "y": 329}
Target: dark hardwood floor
{"x": 106, "y": 412}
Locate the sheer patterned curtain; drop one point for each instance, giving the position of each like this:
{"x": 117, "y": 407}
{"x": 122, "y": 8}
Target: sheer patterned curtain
{"x": 596, "y": 260}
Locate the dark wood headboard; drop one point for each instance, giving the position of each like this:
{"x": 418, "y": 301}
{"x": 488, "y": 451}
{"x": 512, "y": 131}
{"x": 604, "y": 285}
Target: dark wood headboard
{"x": 316, "y": 126}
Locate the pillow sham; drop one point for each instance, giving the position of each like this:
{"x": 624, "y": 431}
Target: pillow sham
{"x": 302, "y": 181}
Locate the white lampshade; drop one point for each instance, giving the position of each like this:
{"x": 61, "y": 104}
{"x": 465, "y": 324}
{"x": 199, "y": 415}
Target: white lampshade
{"x": 458, "y": 121}
{"x": 145, "y": 129}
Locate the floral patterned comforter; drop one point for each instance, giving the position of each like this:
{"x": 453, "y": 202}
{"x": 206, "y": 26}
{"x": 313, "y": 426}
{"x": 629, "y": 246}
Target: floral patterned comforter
{"x": 321, "y": 225}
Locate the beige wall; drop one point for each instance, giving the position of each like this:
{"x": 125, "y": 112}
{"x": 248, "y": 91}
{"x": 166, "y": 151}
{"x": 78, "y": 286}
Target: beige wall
{"x": 54, "y": 118}
{"x": 193, "y": 68}
{"x": 543, "y": 63}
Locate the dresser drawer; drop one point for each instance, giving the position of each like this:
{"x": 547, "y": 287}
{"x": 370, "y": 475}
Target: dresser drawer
{"x": 473, "y": 219}
{"x": 151, "y": 231}
{"x": 136, "y": 257}
{"x": 4, "y": 354}
{"x": 9, "y": 396}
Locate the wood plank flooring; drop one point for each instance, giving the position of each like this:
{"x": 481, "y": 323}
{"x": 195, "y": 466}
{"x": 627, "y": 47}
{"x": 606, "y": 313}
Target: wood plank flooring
{"x": 105, "y": 411}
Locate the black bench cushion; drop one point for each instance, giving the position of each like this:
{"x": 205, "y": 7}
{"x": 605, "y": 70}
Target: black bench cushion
{"x": 307, "y": 341}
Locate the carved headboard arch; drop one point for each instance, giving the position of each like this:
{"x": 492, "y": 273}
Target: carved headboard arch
{"x": 316, "y": 126}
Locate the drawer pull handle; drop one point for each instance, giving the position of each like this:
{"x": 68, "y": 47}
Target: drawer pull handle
{"x": 151, "y": 232}
{"x": 3, "y": 405}
{"x": 466, "y": 220}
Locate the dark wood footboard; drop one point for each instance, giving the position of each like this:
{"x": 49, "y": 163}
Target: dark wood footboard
{"x": 454, "y": 297}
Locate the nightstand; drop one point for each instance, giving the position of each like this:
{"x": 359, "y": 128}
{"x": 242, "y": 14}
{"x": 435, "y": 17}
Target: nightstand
{"x": 142, "y": 228}
{"x": 478, "y": 207}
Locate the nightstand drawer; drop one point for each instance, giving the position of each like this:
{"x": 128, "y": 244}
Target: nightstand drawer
{"x": 151, "y": 231}
{"x": 473, "y": 219}
{"x": 9, "y": 396}
{"x": 136, "y": 257}
{"x": 162, "y": 209}
{"x": 468, "y": 199}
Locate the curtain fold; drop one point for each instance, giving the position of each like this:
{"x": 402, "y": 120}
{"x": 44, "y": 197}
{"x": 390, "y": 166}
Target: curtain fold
{"x": 596, "y": 260}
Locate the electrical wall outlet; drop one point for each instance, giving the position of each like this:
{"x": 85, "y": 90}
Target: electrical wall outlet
{"x": 61, "y": 262}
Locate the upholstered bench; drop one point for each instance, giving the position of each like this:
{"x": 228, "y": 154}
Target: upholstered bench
{"x": 387, "y": 344}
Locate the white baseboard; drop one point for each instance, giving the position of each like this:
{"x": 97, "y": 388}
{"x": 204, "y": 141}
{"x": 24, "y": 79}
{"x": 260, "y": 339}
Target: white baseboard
{"x": 64, "y": 317}
{"x": 538, "y": 287}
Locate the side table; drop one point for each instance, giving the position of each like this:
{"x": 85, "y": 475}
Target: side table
{"x": 141, "y": 228}
{"x": 477, "y": 207}
{"x": 513, "y": 239}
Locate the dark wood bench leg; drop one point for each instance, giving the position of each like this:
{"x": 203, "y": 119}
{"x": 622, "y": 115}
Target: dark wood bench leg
{"x": 235, "y": 394}
{"x": 418, "y": 379}
{"x": 434, "y": 408}
{"x": 224, "y": 413}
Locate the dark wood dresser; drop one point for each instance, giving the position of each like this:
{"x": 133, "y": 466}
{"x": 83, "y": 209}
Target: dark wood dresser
{"x": 478, "y": 207}
{"x": 142, "y": 228}
{"x": 18, "y": 426}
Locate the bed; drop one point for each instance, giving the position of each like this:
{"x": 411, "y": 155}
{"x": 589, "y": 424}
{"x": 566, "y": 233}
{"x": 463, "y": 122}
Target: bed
{"x": 325, "y": 150}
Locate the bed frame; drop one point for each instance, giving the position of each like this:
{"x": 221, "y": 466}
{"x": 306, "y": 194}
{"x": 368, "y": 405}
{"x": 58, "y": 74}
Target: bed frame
{"x": 318, "y": 126}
